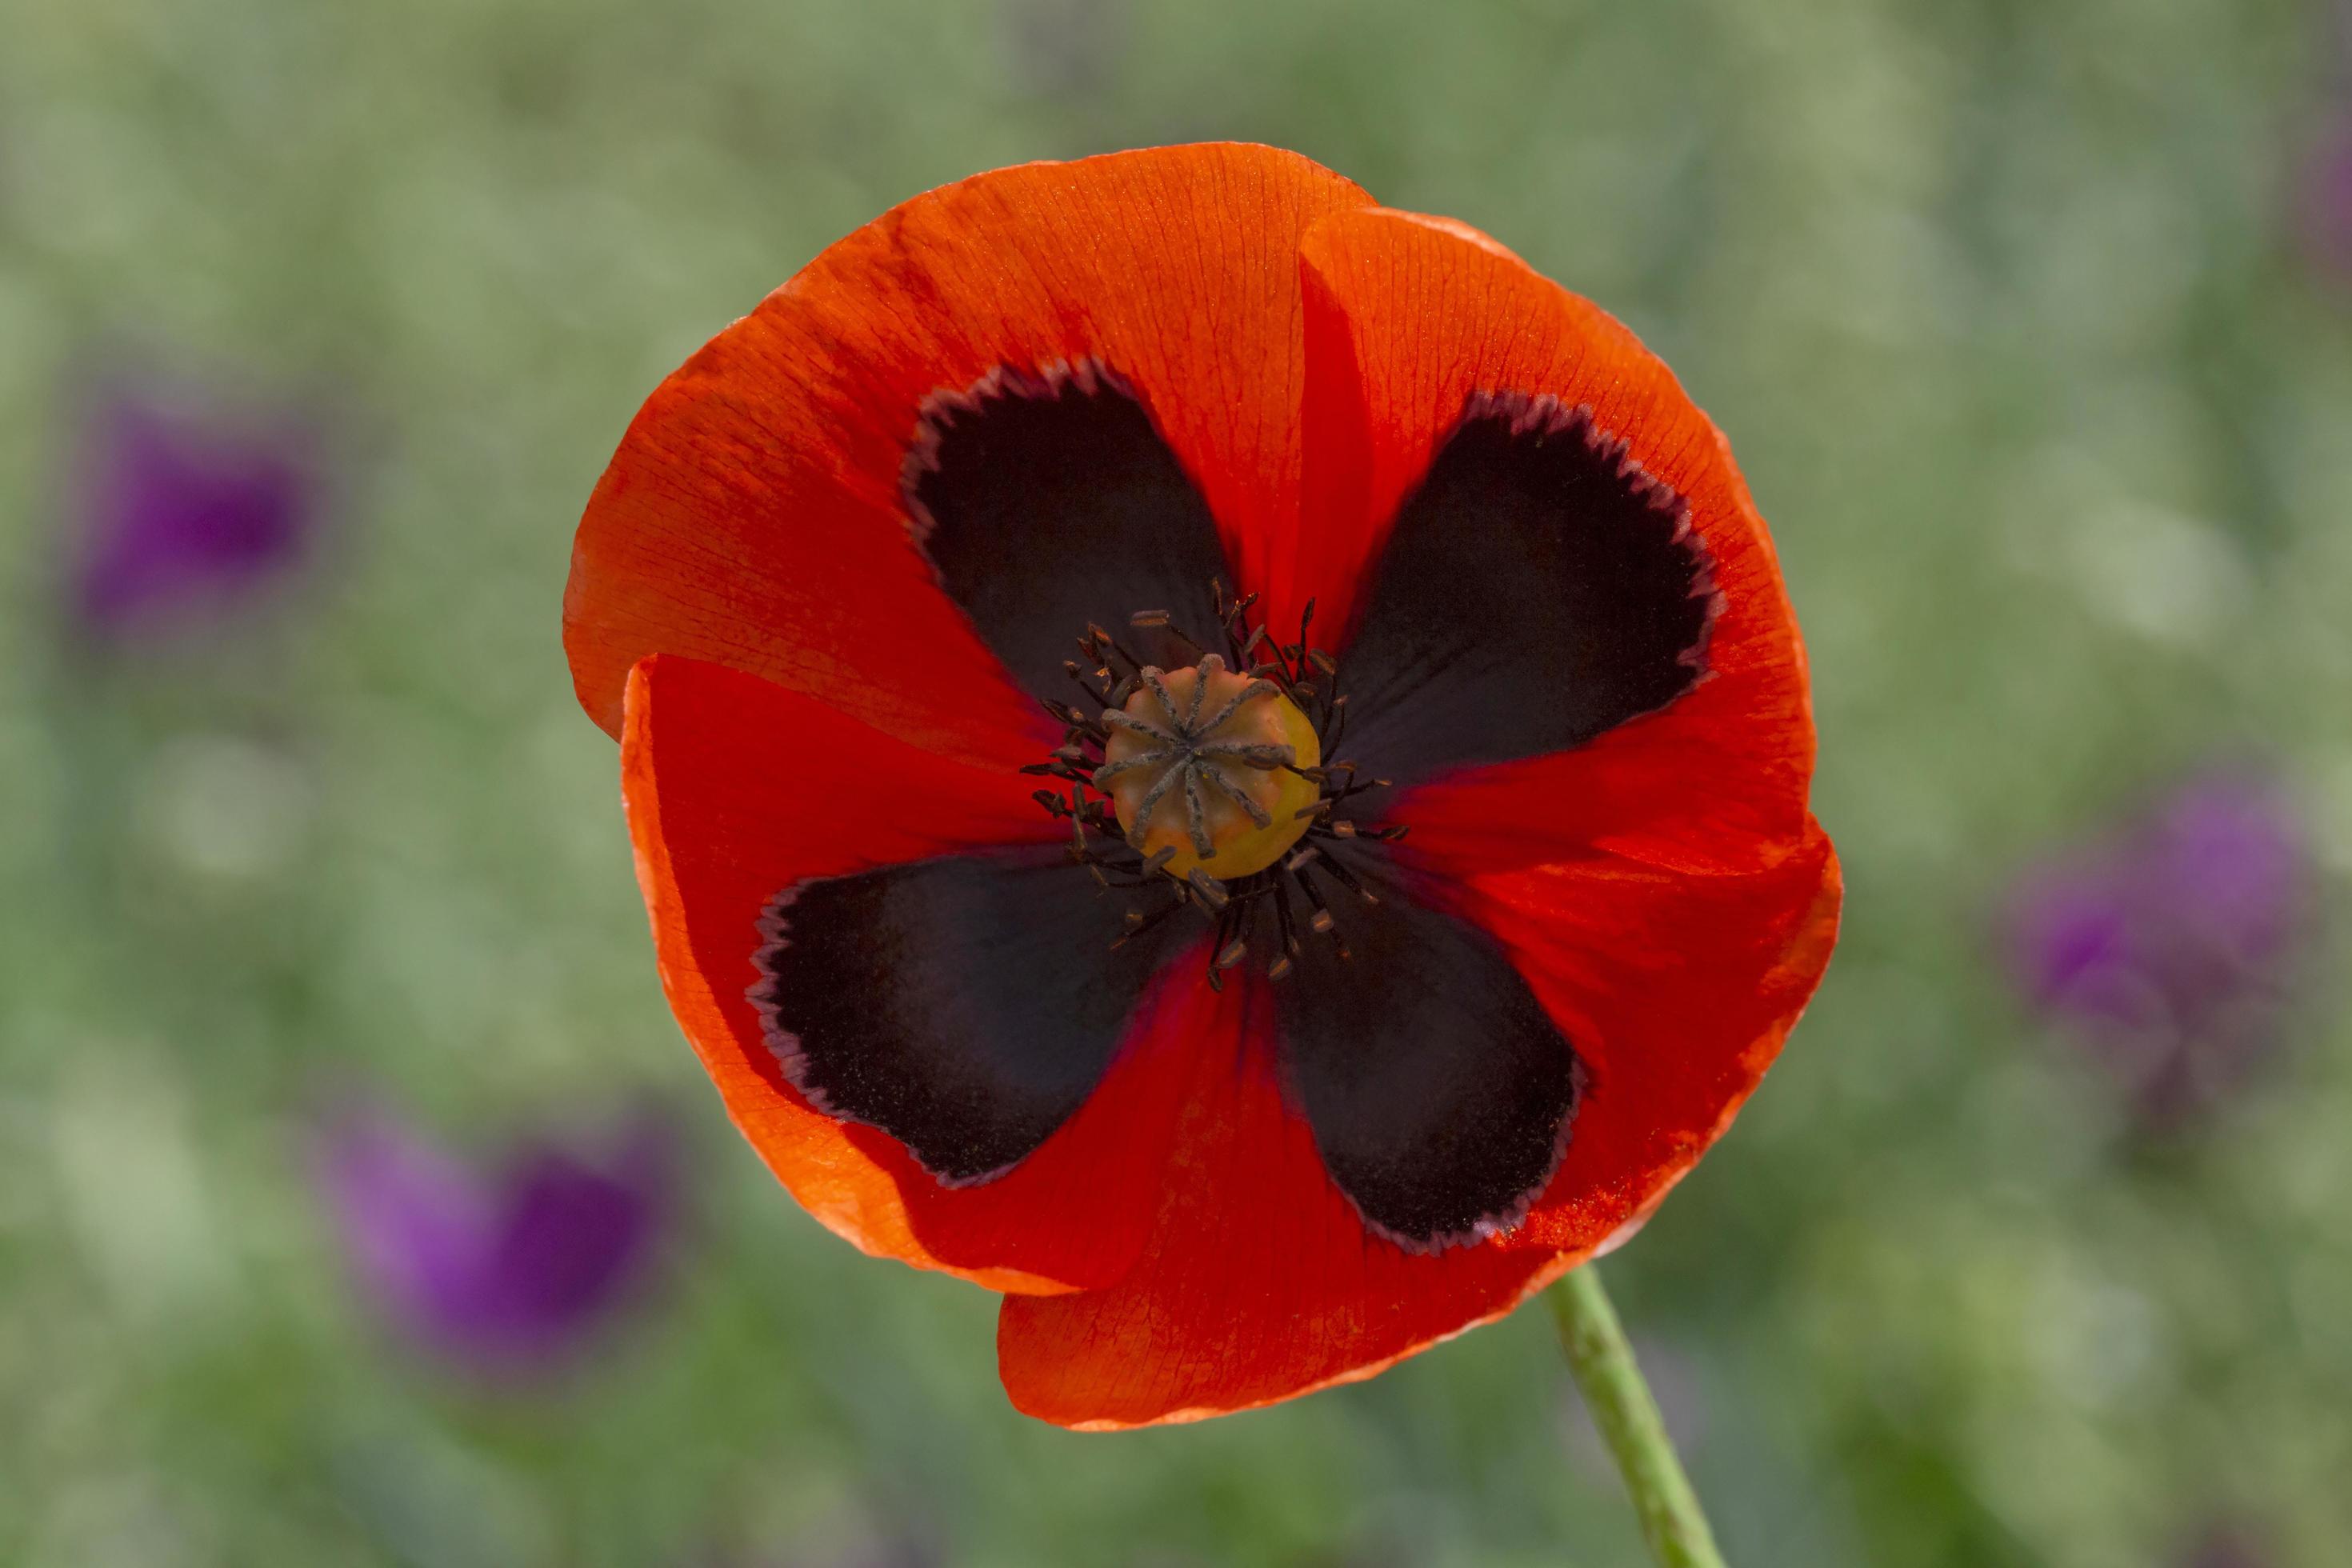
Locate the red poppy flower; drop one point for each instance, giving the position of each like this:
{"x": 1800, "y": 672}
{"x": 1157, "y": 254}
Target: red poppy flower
{"x": 1333, "y": 996}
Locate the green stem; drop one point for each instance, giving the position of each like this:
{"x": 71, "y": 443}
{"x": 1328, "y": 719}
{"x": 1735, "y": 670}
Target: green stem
{"x": 1629, "y": 1423}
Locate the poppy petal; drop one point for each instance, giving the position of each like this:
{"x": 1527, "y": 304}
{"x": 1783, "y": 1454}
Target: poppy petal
{"x": 754, "y": 515}
{"x": 1533, "y": 591}
{"x": 965, "y": 1005}
{"x": 1438, "y": 1088}
{"x": 1678, "y": 990}
{"x": 738, "y": 789}
{"x": 1047, "y": 503}
{"x": 1259, "y": 1282}
{"x": 1693, "y": 789}
{"x": 1408, "y": 321}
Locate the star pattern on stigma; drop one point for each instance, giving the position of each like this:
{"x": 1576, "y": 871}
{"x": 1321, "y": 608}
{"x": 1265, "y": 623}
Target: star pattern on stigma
{"x": 1286, "y": 897}
{"x": 1305, "y": 522}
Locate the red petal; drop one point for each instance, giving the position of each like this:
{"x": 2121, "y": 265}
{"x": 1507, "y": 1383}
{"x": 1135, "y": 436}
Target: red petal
{"x": 1677, "y": 991}
{"x": 737, "y": 789}
{"x": 1693, "y": 789}
{"x": 1406, "y": 316}
{"x": 752, "y": 515}
{"x": 1259, "y": 1282}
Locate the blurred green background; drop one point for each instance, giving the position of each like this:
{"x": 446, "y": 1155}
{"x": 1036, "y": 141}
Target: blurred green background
{"x": 2027, "y": 328}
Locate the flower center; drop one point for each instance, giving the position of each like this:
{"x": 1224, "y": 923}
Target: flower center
{"x": 1210, "y": 777}
{"x": 1203, "y": 762}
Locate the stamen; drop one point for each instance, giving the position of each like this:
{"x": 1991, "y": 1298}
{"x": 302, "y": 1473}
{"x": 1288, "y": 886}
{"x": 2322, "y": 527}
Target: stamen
{"x": 1347, "y": 880}
{"x": 1320, "y": 920}
{"x": 1239, "y": 769}
{"x": 1136, "y": 927}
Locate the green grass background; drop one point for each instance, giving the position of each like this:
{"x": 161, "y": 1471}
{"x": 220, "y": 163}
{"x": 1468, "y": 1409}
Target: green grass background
{"x": 2003, "y": 308}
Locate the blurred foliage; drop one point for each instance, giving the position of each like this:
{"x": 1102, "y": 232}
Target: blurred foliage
{"x": 2002, "y": 307}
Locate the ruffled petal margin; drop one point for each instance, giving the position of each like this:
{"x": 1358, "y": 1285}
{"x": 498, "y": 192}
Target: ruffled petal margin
{"x": 1259, "y": 1282}
{"x": 754, "y": 514}
{"x": 1406, "y": 317}
{"x": 1177, "y": 1249}
{"x": 1678, "y": 990}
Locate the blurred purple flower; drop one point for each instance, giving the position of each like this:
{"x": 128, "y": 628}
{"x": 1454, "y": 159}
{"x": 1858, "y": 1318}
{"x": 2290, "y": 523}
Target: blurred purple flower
{"x": 510, "y": 1271}
{"x": 2167, "y": 943}
{"x": 2327, "y": 197}
{"x": 2226, "y": 1546}
{"x": 182, "y": 506}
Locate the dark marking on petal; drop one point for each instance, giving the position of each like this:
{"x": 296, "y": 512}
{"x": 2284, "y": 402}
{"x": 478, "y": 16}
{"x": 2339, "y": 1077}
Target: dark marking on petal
{"x": 1538, "y": 588}
{"x": 1439, "y": 1091}
{"x": 1048, "y": 501}
{"x": 966, "y": 1005}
